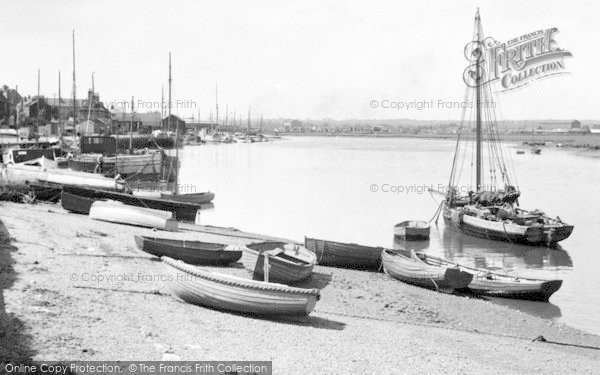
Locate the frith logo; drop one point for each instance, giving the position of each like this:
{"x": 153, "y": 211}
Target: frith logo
{"x": 518, "y": 62}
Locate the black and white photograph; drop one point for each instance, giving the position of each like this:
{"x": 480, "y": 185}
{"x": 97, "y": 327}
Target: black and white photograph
{"x": 299, "y": 187}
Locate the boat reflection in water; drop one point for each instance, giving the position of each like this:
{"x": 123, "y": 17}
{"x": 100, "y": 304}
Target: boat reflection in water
{"x": 526, "y": 261}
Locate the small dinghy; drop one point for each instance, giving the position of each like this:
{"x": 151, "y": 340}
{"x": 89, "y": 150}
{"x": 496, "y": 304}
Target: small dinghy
{"x": 226, "y": 292}
{"x": 412, "y": 230}
{"x": 289, "y": 263}
{"x": 118, "y": 212}
{"x": 498, "y": 285}
{"x": 192, "y": 252}
{"x": 345, "y": 255}
{"x": 412, "y": 270}
{"x": 197, "y": 198}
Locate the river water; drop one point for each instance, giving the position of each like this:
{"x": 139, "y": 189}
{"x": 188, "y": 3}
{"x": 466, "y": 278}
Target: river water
{"x": 356, "y": 189}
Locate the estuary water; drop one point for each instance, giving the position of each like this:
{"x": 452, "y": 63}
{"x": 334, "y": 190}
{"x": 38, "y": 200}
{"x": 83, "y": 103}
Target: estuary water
{"x": 355, "y": 189}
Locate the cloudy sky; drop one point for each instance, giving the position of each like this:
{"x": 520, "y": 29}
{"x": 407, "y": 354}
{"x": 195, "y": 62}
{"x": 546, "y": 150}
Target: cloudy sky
{"x": 294, "y": 59}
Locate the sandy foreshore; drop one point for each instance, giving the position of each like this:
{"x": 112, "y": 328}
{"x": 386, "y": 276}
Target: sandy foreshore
{"x": 76, "y": 289}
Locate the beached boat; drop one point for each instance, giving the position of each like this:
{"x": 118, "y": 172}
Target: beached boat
{"x": 346, "y": 255}
{"x": 226, "y": 292}
{"x": 484, "y": 201}
{"x": 412, "y": 230}
{"x": 520, "y": 152}
{"x": 198, "y": 198}
{"x": 494, "y": 284}
{"x": 409, "y": 268}
{"x": 191, "y": 252}
{"x": 289, "y": 263}
{"x": 34, "y": 171}
{"x": 118, "y": 212}
{"x": 181, "y": 210}
{"x": 76, "y": 203}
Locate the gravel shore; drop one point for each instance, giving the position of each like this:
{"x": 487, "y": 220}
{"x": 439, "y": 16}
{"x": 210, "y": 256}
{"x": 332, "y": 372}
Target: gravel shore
{"x": 76, "y": 289}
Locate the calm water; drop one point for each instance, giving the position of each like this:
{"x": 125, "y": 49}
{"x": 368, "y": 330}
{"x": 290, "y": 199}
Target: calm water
{"x": 322, "y": 187}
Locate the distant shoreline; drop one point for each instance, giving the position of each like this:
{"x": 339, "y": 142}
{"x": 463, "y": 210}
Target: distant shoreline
{"x": 583, "y": 141}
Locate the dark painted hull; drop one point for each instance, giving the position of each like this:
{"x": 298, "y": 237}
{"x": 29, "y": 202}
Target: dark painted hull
{"x": 181, "y": 210}
{"x": 76, "y": 203}
{"x": 191, "y": 252}
{"x": 541, "y": 293}
{"x": 534, "y": 236}
{"x": 337, "y": 254}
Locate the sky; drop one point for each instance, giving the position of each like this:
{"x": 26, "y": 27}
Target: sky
{"x": 293, "y": 59}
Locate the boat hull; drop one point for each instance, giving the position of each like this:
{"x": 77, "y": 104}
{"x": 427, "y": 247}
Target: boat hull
{"x": 500, "y": 231}
{"x": 191, "y": 252}
{"x": 294, "y": 265}
{"x": 412, "y": 230}
{"x": 225, "y": 292}
{"x": 198, "y": 198}
{"x": 337, "y": 254}
{"x": 180, "y": 210}
{"x": 498, "y": 285}
{"x": 416, "y": 272}
{"x": 117, "y": 212}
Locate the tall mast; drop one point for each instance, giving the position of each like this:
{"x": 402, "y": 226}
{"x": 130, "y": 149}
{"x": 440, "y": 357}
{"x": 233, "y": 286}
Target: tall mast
{"x": 131, "y": 129}
{"x": 248, "y": 131}
{"x": 478, "y": 57}
{"x": 162, "y": 104}
{"x": 59, "y": 107}
{"x": 37, "y": 120}
{"x": 75, "y": 114}
{"x": 176, "y": 188}
{"x": 217, "y": 103}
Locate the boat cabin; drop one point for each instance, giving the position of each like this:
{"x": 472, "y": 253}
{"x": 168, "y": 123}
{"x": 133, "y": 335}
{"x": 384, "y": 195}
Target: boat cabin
{"x": 98, "y": 144}
{"x": 22, "y": 155}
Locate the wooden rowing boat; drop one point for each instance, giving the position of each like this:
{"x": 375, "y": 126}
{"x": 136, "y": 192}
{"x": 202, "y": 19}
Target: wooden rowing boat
{"x": 180, "y": 210}
{"x": 412, "y": 230}
{"x": 192, "y": 252}
{"x": 226, "y": 292}
{"x": 345, "y": 255}
{"x": 494, "y": 284}
{"x": 198, "y": 198}
{"x": 118, "y": 212}
{"x": 289, "y": 263}
{"x": 412, "y": 270}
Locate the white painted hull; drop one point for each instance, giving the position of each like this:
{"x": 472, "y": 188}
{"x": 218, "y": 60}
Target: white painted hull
{"x": 232, "y": 293}
{"x": 19, "y": 174}
{"x": 117, "y": 212}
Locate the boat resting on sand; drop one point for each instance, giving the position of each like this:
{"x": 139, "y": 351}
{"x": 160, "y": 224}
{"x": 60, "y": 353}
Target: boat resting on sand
{"x": 24, "y": 174}
{"x": 288, "y": 263}
{"x": 118, "y": 212}
{"x": 198, "y": 198}
{"x": 180, "y": 210}
{"x": 412, "y": 270}
{"x": 191, "y": 252}
{"x": 498, "y": 285}
{"x": 412, "y": 230}
{"x": 226, "y": 292}
{"x": 345, "y": 255}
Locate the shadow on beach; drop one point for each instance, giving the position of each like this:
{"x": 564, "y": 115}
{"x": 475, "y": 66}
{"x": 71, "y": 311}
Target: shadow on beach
{"x": 15, "y": 344}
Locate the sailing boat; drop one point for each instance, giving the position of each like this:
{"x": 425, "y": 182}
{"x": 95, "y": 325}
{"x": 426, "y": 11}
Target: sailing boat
{"x": 491, "y": 211}
{"x": 204, "y": 197}
{"x": 534, "y": 147}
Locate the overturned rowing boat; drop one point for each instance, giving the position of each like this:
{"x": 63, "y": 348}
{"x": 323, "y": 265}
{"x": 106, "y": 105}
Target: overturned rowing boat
{"x": 226, "y": 292}
{"x": 345, "y": 255}
{"x": 180, "y": 210}
{"x": 118, "y": 212}
{"x": 192, "y": 252}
